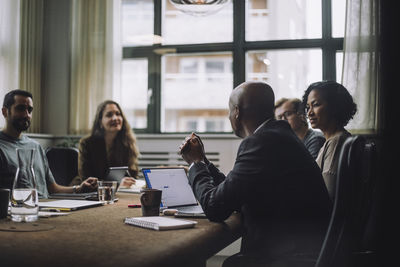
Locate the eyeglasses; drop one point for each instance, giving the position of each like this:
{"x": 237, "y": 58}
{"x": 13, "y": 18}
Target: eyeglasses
{"x": 285, "y": 115}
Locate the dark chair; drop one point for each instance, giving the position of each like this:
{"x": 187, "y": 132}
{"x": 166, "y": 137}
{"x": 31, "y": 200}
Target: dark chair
{"x": 343, "y": 245}
{"x": 240, "y": 260}
{"x": 63, "y": 162}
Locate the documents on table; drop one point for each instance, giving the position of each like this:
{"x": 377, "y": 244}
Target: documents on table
{"x": 47, "y": 214}
{"x": 140, "y": 184}
{"x": 67, "y": 205}
{"x": 160, "y": 222}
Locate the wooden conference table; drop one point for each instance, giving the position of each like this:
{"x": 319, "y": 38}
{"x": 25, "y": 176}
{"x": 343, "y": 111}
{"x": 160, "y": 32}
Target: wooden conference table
{"x": 99, "y": 237}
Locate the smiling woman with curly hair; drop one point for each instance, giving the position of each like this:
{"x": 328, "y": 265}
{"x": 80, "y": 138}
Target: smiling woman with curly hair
{"x": 329, "y": 107}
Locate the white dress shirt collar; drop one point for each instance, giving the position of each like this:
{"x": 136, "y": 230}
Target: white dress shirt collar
{"x": 262, "y": 124}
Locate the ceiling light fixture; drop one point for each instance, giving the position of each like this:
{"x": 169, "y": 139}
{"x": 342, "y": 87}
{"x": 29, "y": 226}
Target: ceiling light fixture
{"x": 199, "y": 7}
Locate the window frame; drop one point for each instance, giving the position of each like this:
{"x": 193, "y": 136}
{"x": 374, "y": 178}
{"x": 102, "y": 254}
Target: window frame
{"x": 238, "y": 47}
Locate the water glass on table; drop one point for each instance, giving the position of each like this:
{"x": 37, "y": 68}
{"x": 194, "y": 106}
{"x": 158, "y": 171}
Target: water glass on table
{"x": 106, "y": 191}
{"x": 24, "y": 196}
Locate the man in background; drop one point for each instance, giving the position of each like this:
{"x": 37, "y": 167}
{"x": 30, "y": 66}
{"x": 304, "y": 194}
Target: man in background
{"x": 293, "y": 112}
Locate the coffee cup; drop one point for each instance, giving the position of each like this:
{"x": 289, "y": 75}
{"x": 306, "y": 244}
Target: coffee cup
{"x": 150, "y": 200}
{"x": 4, "y": 201}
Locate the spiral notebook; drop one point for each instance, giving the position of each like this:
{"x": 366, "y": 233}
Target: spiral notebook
{"x": 160, "y": 223}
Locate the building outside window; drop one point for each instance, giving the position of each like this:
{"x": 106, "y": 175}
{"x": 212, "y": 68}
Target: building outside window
{"x": 178, "y": 70}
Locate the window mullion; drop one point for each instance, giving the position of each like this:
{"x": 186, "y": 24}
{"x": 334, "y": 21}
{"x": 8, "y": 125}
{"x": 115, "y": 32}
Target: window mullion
{"x": 326, "y": 19}
{"x": 157, "y": 17}
{"x": 328, "y": 63}
{"x": 328, "y": 52}
{"x": 154, "y": 106}
{"x": 239, "y": 61}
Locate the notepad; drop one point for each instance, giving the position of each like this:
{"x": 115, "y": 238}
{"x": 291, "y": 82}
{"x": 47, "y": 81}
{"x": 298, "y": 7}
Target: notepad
{"x": 160, "y": 223}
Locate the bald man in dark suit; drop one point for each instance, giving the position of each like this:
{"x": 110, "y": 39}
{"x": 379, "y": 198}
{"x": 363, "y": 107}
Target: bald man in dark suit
{"x": 275, "y": 184}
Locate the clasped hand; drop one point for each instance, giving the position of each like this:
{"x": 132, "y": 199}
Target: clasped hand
{"x": 192, "y": 149}
{"x": 89, "y": 185}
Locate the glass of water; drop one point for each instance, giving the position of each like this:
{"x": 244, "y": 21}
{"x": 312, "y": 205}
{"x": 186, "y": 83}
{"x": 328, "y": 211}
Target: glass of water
{"x": 106, "y": 191}
{"x": 24, "y": 197}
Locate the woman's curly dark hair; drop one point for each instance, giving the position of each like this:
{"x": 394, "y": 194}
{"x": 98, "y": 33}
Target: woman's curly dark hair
{"x": 340, "y": 104}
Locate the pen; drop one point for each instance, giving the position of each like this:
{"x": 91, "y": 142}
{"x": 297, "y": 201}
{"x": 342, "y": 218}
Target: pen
{"x": 134, "y": 206}
{"x": 55, "y": 209}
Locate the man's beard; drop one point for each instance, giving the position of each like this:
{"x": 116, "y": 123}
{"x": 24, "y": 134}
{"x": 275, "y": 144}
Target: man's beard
{"x": 21, "y": 124}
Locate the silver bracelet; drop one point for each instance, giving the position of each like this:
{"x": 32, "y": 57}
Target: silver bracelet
{"x": 74, "y": 189}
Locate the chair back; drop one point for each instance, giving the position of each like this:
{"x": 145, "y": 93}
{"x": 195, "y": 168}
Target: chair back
{"x": 63, "y": 163}
{"x": 348, "y": 223}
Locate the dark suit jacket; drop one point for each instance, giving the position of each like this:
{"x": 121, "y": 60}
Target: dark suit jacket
{"x": 278, "y": 188}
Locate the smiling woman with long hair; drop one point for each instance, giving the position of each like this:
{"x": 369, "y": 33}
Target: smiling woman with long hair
{"x": 329, "y": 107}
{"x": 111, "y": 143}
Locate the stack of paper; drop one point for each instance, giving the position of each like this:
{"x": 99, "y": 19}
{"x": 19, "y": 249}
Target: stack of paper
{"x": 67, "y": 205}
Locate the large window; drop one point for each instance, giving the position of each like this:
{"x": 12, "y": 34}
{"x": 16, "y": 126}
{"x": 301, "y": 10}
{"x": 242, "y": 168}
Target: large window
{"x": 178, "y": 70}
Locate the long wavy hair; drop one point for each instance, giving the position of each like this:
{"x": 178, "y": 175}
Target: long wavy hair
{"x": 125, "y": 139}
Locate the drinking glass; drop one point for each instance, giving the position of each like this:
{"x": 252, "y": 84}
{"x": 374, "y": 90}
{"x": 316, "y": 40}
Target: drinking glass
{"x": 24, "y": 196}
{"x": 106, "y": 191}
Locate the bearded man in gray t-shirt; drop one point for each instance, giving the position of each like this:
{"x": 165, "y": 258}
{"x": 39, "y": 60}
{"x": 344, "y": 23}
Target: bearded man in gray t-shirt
{"x": 17, "y": 111}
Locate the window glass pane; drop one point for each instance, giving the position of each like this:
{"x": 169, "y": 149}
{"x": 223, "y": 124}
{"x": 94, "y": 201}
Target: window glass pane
{"x": 289, "y": 71}
{"x": 133, "y": 94}
{"x": 137, "y": 22}
{"x": 195, "y": 92}
{"x": 339, "y": 66}
{"x": 283, "y": 19}
{"x": 181, "y": 28}
{"x": 338, "y": 17}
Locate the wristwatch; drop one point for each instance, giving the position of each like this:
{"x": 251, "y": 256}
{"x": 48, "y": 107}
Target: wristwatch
{"x": 74, "y": 189}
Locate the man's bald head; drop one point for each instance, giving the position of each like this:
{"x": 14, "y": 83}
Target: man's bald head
{"x": 250, "y": 104}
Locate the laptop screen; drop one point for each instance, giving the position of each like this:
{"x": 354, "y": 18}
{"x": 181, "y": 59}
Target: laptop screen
{"x": 174, "y": 184}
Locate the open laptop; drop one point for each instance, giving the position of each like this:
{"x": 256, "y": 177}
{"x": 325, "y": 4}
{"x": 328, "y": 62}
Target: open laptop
{"x": 176, "y": 191}
{"x": 78, "y": 196}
